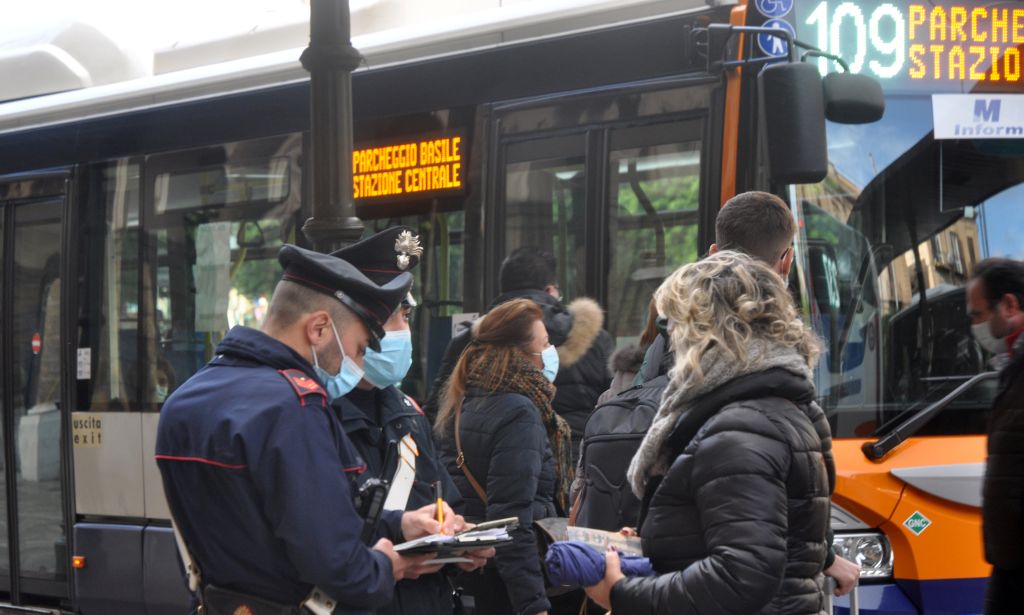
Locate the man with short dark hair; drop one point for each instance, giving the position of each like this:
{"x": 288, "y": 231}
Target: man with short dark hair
{"x": 759, "y": 224}
{"x": 256, "y": 468}
{"x": 576, "y": 330}
{"x": 995, "y": 304}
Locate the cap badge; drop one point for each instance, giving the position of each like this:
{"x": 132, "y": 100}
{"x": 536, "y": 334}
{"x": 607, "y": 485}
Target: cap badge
{"x": 407, "y": 245}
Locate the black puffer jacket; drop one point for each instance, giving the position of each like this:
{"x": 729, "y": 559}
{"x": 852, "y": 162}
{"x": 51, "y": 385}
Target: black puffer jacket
{"x": 1003, "y": 490}
{"x": 583, "y": 352}
{"x": 506, "y": 448}
{"x": 738, "y": 524}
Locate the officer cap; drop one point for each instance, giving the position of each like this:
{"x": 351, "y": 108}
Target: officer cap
{"x": 386, "y": 255}
{"x": 373, "y": 303}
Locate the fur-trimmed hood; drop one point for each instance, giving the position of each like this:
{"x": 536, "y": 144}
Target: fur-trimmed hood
{"x": 587, "y": 323}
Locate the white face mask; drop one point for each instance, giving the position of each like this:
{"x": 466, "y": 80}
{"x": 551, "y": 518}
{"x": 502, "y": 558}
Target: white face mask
{"x": 983, "y": 333}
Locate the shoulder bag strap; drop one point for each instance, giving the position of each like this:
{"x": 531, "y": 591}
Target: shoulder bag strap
{"x": 460, "y": 460}
{"x": 195, "y": 578}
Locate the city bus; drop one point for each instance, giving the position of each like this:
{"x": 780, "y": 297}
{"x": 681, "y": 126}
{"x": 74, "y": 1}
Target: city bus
{"x": 604, "y": 132}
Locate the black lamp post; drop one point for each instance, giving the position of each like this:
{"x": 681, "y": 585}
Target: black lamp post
{"x": 330, "y": 60}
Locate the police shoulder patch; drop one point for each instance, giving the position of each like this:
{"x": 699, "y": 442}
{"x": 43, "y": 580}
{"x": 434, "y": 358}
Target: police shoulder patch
{"x": 412, "y": 402}
{"x": 304, "y": 386}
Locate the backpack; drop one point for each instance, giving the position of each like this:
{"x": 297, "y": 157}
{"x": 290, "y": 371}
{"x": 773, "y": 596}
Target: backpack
{"x": 611, "y": 438}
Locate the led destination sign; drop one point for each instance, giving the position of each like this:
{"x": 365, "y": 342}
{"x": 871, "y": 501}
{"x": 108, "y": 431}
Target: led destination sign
{"x": 903, "y": 43}
{"x": 426, "y": 166}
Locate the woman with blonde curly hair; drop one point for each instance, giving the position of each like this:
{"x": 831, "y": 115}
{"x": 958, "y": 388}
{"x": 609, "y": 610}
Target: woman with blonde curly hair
{"x": 736, "y": 470}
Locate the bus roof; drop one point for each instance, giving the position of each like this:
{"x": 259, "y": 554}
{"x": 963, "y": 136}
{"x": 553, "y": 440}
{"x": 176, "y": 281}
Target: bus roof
{"x": 469, "y": 32}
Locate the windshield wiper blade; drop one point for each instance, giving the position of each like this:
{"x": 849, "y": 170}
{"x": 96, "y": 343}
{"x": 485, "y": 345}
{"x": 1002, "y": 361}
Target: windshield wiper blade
{"x": 881, "y": 447}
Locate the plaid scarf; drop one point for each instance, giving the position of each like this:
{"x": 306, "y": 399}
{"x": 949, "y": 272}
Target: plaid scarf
{"x": 524, "y": 378}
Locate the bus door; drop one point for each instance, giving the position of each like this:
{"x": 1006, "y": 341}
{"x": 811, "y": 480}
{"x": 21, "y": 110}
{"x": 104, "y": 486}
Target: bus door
{"x": 612, "y": 186}
{"x": 33, "y": 494}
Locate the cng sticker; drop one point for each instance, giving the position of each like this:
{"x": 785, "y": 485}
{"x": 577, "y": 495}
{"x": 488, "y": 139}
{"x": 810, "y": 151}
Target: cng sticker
{"x": 917, "y": 523}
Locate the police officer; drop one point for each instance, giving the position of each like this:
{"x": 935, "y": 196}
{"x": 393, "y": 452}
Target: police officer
{"x": 376, "y": 415}
{"x": 256, "y": 468}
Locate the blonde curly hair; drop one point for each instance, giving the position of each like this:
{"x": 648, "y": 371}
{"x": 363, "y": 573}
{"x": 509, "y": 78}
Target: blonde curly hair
{"x": 730, "y": 300}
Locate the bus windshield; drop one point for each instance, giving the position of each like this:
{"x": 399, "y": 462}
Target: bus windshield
{"x": 887, "y": 244}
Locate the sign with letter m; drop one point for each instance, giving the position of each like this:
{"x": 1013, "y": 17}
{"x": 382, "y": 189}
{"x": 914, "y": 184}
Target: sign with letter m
{"x": 986, "y": 110}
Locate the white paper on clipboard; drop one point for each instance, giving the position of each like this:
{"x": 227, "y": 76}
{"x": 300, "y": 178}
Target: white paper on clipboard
{"x": 405, "y": 475}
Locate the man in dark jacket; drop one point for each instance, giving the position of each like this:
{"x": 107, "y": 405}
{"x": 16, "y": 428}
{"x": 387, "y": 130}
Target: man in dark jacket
{"x": 576, "y": 330}
{"x": 255, "y": 467}
{"x": 995, "y": 303}
{"x": 377, "y": 416}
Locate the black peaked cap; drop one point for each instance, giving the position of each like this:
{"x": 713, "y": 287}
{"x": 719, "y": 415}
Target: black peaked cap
{"x": 386, "y": 255}
{"x": 373, "y": 303}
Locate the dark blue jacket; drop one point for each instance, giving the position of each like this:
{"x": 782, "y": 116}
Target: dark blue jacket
{"x": 506, "y": 448}
{"x": 372, "y": 419}
{"x": 258, "y": 475}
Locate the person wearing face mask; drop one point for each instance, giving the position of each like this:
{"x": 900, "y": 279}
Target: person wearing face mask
{"x": 258, "y": 473}
{"x": 995, "y": 304}
{"x": 507, "y": 449}
{"x": 758, "y": 224}
{"x": 376, "y": 414}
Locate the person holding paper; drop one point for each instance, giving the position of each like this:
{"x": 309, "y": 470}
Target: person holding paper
{"x": 376, "y": 415}
{"x": 736, "y": 469}
{"x": 506, "y": 448}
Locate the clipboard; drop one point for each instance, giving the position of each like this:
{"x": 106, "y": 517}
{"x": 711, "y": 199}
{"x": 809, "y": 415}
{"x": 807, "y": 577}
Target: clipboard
{"x": 489, "y": 534}
{"x": 448, "y": 545}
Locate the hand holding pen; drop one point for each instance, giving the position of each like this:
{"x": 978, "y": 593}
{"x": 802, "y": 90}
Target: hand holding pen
{"x": 439, "y": 504}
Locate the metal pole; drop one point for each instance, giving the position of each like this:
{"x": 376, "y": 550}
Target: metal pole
{"x": 330, "y": 60}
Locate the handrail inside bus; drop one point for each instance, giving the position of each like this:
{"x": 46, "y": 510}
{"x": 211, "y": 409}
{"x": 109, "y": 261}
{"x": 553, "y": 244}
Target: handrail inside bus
{"x": 880, "y": 448}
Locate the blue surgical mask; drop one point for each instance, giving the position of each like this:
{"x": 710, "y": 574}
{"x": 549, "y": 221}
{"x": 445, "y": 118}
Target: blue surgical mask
{"x": 389, "y": 366}
{"x": 550, "y": 359}
{"x": 347, "y": 377}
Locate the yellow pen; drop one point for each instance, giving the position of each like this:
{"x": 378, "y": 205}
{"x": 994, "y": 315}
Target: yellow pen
{"x": 440, "y": 504}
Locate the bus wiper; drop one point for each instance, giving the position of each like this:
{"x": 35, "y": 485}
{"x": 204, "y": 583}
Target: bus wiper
{"x": 880, "y": 448}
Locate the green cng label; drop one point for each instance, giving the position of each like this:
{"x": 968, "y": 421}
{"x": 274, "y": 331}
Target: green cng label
{"x": 917, "y": 523}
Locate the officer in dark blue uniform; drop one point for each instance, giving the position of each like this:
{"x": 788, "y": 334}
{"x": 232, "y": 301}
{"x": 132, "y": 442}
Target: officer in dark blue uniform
{"x": 256, "y": 468}
{"x": 376, "y": 414}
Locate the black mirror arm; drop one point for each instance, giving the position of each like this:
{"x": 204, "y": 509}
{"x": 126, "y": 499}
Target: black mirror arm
{"x": 878, "y": 449}
{"x": 813, "y": 52}
{"x": 723, "y": 32}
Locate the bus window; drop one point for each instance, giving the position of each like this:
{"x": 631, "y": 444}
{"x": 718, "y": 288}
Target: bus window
{"x": 654, "y": 197}
{"x": 888, "y": 243}
{"x": 109, "y": 302}
{"x": 545, "y": 198}
{"x": 217, "y": 219}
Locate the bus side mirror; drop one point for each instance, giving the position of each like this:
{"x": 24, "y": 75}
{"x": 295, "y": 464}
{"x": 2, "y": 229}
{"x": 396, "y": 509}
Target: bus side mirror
{"x": 852, "y": 99}
{"x": 793, "y": 113}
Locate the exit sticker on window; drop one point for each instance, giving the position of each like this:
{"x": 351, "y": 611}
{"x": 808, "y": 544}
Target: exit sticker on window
{"x": 917, "y": 523}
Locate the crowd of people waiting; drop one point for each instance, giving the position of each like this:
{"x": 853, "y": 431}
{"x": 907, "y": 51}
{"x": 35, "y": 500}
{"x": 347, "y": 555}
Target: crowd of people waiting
{"x": 723, "y": 470}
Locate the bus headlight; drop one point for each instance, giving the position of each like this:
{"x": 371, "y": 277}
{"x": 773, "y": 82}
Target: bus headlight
{"x": 870, "y": 550}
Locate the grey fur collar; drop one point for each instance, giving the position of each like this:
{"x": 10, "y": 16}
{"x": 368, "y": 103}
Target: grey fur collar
{"x": 719, "y": 368}
{"x": 627, "y": 360}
